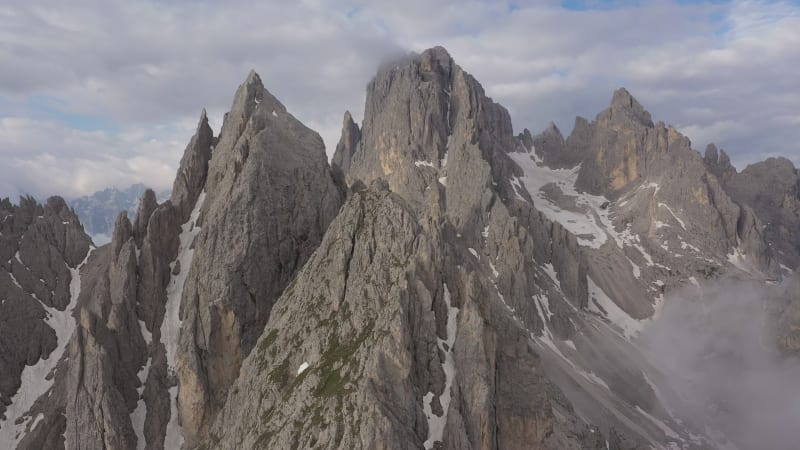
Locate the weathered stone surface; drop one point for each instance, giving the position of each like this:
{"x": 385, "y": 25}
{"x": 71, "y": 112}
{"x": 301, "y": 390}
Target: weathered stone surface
{"x": 39, "y": 244}
{"x": 269, "y": 198}
{"x": 718, "y": 163}
{"x": 191, "y": 178}
{"x": 348, "y": 144}
{"x": 364, "y": 315}
{"x": 106, "y": 351}
{"x": 551, "y": 147}
{"x": 772, "y": 189}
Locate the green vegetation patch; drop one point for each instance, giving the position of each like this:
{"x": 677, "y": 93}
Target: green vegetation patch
{"x": 338, "y": 357}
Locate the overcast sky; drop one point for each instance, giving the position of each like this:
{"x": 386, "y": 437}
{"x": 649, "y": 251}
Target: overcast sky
{"x": 97, "y": 93}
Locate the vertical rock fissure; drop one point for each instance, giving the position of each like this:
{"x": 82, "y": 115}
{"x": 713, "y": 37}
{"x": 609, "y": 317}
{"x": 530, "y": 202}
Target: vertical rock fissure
{"x": 436, "y": 424}
{"x": 170, "y": 326}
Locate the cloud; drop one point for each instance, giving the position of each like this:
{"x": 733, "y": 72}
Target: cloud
{"x": 716, "y": 346}
{"x": 71, "y": 162}
{"x": 120, "y": 68}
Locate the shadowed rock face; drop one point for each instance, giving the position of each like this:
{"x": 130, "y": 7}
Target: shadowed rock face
{"x": 444, "y": 284}
{"x": 772, "y": 189}
{"x": 348, "y": 144}
{"x": 39, "y": 245}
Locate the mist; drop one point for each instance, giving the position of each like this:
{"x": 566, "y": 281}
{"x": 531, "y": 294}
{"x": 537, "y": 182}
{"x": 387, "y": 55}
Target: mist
{"x": 717, "y": 346}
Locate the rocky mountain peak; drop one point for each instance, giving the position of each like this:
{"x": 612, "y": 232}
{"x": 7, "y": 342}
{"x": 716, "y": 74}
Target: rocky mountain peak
{"x": 192, "y": 172}
{"x": 436, "y": 60}
{"x": 348, "y": 143}
{"x": 429, "y": 128}
{"x": 147, "y": 204}
{"x": 718, "y": 162}
{"x": 551, "y": 147}
{"x": 252, "y": 83}
{"x": 552, "y": 129}
{"x": 123, "y": 230}
{"x": 625, "y": 108}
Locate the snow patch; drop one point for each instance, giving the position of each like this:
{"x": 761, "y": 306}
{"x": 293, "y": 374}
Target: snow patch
{"x": 148, "y": 337}
{"x": 591, "y": 224}
{"x": 547, "y": 339}
{"x": 494, "y": 270}
{"x": 436, "y": 424}
{"x": 633, "y": 240}
{"x": 686, "y": 245}
{"x": 675, "y": 216}
{"x": 667, "y": 430}
{"x": 630, "y": 327}
{"x": 36, "y": 421}
{"x": 582, "y": 224}
{"x": 551, "y": 272}
{"x": 637, "y": 271}
{"x": 302, "y": 368}
{"x": 474, "y": 253}
{"x": 14, "y": 280}
{"x": 424, "y": 163}
{"x": 138, "y": 415}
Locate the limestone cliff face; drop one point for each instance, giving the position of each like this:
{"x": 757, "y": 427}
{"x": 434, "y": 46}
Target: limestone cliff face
{"x": 269, "y": 198}
{"x": 348, "y": 144}
{"x": 772, "y": 189}
{"x": 396, "y": 334}
{"x": 383, "y": 341}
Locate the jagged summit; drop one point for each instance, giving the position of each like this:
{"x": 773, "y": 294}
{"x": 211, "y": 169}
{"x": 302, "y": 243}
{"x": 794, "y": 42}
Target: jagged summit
{"x": 348, "y": 143}
{"x": 623, "y": 99}
{"x": 623, "y": 104}
{"x": 192, "y": 170}
{"x": 438, "y": 53}
{"x": 719, "y": 163}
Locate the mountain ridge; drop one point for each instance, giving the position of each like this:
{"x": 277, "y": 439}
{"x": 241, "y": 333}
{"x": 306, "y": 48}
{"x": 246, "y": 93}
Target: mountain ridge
{"x": 442, "y": 283}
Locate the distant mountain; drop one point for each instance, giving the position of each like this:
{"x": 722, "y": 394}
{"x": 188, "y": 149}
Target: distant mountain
{"x": 98, "y": 212}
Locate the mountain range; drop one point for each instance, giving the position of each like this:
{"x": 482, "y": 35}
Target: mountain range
{"x": 442, "y": 283}
{"x": 98, "y": 212}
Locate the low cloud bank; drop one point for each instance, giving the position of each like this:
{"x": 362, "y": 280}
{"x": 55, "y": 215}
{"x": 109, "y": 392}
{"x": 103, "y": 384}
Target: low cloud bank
{"x": 718, "y": 349}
